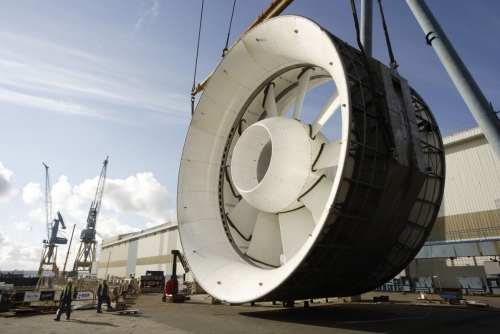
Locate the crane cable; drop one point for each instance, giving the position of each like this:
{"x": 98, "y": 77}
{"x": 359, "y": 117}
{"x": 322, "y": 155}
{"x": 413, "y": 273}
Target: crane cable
{"x": 196, "y": 61}
{"x": 224, "y": 51}
{"x": 388, "y": 142}
{"x": 393, "y": 64}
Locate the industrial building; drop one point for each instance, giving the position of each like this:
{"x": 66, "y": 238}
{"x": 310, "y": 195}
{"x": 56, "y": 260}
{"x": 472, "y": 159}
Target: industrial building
{"x": 133, "y": 254}
{"x": 466, "y": 233}
{"x": 467, "y": 230}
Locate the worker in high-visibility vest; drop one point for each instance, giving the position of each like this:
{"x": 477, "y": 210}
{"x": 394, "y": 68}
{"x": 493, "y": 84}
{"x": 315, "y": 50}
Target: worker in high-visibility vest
{"x": 103, "y": 294}
{"x": 68, "y": 294}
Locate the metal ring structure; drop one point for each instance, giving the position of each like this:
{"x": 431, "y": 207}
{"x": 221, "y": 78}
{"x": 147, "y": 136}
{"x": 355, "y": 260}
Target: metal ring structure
{"x": 275, "y": 206}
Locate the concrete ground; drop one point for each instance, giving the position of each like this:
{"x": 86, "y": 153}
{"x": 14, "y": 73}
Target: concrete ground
{"x": 402, "y": 314}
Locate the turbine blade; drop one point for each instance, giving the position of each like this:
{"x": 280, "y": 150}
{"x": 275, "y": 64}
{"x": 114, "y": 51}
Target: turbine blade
{"x": 328, "y": 110}
{"x": 270, "y": 104}
{"x": 301, "y": 93}
{"x": 316, "y": 199}
{"x": 265, "y": 246}
{"x": 243, "y": 217}
{"x": 295, "y": 227}
{"x": 329, "y": 155}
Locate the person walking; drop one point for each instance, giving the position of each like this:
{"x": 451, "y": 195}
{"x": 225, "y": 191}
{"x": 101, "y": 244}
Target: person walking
{"x": 103, "y": 293}
{"x": 68, "y": 294}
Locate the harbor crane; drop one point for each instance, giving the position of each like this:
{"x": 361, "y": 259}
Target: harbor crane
{"x": 87, "y": 251}
{"x": 49, "y": 253}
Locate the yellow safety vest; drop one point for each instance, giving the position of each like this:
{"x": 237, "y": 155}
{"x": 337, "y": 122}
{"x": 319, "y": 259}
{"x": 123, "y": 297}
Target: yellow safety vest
{"x": 72, "y": 294}
{"x": 102, "y": 289}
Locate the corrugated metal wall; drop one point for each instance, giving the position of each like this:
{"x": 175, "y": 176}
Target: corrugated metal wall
{"x": 117, "y": 256}
{"x": 133, "y": 247}
{"x": 150, "y": 250}
{"x": 472, "y": 177}
{"x": 472, "y": 185}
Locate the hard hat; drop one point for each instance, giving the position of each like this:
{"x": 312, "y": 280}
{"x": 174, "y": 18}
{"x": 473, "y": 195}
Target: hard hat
{"x": 104, "y": 279}
{"x": 70, "y": 280}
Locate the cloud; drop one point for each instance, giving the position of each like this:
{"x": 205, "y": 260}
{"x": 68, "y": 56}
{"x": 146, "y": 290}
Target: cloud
{"x": 6, "y": 189}
{"x": 150, "y": 225}
{"x": 111, "y": 226}
{"x": 61, "y": 192}
{"x": 24, "y": 226}
{"x": 38, "y": 214}
{"x": 38, "y": 102}
{"x": 69, "y": 81}
{"x": 15, "y": 255}
{"x": 151, "y": 13}
{"x": 137, "y": 26}
{"x": 141, "y": 194}
{"x": 31, "y": 193}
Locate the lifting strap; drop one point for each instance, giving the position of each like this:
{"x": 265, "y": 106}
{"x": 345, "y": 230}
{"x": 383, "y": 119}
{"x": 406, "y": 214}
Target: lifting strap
{"x": 387, "y": 141}
{"x": 224, "y": 51}
{"x": 393, "y": 64}
{"x": 196, "y": 61}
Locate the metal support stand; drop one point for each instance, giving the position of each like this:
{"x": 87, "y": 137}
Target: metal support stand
{"x": 469, "y": 90}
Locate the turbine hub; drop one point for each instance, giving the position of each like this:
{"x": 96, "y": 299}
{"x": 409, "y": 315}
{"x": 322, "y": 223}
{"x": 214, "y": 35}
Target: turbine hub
{"x": 271, "y": 165}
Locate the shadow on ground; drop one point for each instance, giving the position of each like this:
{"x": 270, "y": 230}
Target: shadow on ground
{"x": 383, "y": 318}
{"x": 83, "y": 322}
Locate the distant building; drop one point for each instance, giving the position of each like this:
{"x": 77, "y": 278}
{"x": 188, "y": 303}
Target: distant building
{"x": 467, "y": 231}
{"x": 135, "y": 253}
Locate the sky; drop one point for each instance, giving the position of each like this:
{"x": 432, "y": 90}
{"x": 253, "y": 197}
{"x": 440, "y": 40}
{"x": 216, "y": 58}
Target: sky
{"x": 83, "y": 80}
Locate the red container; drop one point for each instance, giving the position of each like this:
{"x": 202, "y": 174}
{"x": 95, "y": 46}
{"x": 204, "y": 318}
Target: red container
{"x": 171, "y": 287}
